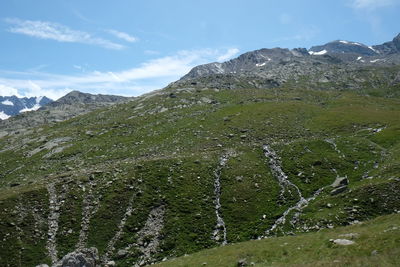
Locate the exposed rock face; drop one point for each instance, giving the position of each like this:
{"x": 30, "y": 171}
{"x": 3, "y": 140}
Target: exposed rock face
{"x": 81, "y": 258}
{"x": 391, "y": 47}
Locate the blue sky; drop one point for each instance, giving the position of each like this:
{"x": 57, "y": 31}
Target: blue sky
{"x": 128, "y": 47}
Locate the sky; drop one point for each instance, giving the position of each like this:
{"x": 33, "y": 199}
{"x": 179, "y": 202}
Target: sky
{"x": 130, "y": 47}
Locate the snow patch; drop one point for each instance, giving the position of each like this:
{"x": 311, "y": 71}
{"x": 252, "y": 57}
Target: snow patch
{"x": 261, "y": 64}
{"x": 375, "y": 60}
{"x": 370, "y": 47}
{"x": 8, "y": 103}
{"x": 38, "y": 99}
{"x": 35, "y": 107}
{"x": 352, "y": 43}
{"x": 3, "y": 116}
{"x": 359, "y": 58}
{"x": 219, "y": 68}
{"x": 318, "y": 53}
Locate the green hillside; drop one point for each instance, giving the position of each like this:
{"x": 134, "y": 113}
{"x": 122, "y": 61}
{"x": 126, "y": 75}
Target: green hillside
{"x": 376, "y": 243}
{"x": 185, "y": 169}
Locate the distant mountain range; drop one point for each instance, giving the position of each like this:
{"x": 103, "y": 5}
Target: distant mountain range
{"x": 13, "y": 105}
{"x": 72, "y": 104}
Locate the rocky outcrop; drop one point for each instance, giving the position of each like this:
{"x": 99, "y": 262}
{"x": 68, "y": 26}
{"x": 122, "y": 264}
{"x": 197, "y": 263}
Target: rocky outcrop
{"x": 55, "y": 201}
{"x": 148, "y": 241}
{"x": 388, "y": 48}
{"x": 219, "y": 233}
{"x": 81, "y": 258}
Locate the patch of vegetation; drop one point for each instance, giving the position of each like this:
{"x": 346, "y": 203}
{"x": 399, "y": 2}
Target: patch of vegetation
{"x": 376, "y": 244}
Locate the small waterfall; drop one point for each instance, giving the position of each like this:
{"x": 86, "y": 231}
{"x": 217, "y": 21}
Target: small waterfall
{"x": 299, "y": 206}
{"x": 275, "y": 165}
{"x": 332, "y": 142}
{"x": 217, "y": 193}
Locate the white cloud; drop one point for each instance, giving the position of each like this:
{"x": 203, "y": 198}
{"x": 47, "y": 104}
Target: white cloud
{"x": 8, "y": 90}
{"x": 228, "y": 55}
{"x": 58, "y": 32}
{"x": 123, "y": 35}
{"x": 150, "y": 75}
{"x": 372, "y": 4}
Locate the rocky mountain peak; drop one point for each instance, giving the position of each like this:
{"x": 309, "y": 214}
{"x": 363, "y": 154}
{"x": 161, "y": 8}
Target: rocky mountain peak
{"x": 277, "y": 65}
{"x": 77, "y": 97}
{"x": 342, "y": 46}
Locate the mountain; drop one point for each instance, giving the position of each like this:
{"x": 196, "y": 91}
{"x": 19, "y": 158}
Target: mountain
{"x": 75, "y": 97}
{"x": 320, "y": 65}
{"x": 73, "y": 104}
{"x": 12, "y": 105}
{"x": 342, "y": 46}
{"x": 391, "y": 47}
{"x": 232, "y": 152}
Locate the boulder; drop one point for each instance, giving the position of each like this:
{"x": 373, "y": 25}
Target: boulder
{"x": 343, "y": 242}
{"x": 339, "y": 190}
{"x": 87, "y": 257}
{"x": 340, "y": 181}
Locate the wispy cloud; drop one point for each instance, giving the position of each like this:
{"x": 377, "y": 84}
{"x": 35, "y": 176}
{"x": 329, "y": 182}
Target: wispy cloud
{"x": 228, "y": 55}
{"x": 150, "y": 75}
{"x": 57, "y": 32}
{"x": 370, "y": 11}
{"x": 123, "y": 35}
{"x": 372, "y": 4}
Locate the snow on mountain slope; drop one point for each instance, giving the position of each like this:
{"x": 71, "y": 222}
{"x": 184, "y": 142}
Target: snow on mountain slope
{"x": 13, "y": 105}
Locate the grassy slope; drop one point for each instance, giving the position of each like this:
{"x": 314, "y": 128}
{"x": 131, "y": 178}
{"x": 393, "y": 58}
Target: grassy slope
{"x": 377, "y": 244}
{"x": 169, "y": 158}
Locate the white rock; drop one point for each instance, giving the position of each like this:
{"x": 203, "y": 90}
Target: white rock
{"x": 343, "y": 242}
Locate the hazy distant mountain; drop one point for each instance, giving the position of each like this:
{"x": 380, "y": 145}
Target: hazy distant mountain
{"x": 13, "y": 105}
{"x": 72, "y": 104}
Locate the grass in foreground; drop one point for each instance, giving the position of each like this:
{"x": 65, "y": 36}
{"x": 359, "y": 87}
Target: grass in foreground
{"x": 377, "y": 243}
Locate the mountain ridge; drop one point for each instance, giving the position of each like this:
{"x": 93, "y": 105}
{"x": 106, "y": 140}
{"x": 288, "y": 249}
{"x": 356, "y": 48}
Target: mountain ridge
{"x": 264, "y": 62}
